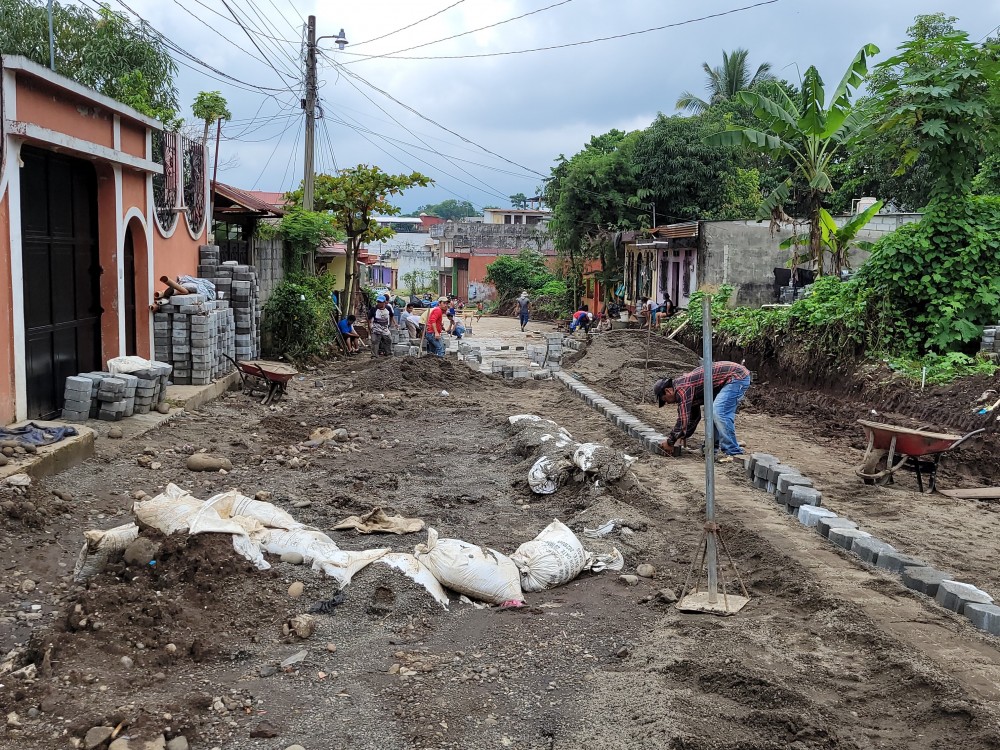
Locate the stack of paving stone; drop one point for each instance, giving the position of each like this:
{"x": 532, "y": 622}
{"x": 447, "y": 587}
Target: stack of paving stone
{"x": 238, "y": 288}
{"x": 791, "y": 490}
{"x": 101, "y": 395}
{"x": 403, "y": 345}
{"x": 990, "y": 343}
{"x": 471, "y": 355}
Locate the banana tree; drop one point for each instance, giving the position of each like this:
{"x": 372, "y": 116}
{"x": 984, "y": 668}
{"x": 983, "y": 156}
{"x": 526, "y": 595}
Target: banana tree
{"x": 837, "y": 241}
{"x": 808, "y": 132}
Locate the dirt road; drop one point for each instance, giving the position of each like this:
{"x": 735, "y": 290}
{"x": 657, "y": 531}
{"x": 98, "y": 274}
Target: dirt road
{"x": 827, "y": 655}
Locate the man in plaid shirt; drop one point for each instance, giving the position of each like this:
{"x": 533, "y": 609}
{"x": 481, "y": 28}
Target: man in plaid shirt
{"x": 729, "y": 381}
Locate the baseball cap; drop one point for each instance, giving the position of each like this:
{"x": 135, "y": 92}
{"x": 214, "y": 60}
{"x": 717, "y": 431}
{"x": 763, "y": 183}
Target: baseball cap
{"x": 380, "y": 298}
{"x": 661, "y": 385}
{"x": 443, "y": 299}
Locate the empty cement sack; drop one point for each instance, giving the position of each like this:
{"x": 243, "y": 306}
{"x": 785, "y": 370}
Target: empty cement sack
{"x": 232, "y": 503}
{"x": 320, "y": 551}
{"x": 483, "y": 574}
{"x": 176, "y": 510}
{"x": 102, "y": 546}
{"x": 552, "y": 558}
{"x": 417, "y": 572}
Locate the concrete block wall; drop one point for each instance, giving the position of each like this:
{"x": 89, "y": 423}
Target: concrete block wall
{"x": 269, "y": 263}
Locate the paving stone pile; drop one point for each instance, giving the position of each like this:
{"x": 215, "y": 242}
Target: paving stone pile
{"x": 101, "y": 395}
{"x": 990, "y": 343}
{"x": 796, "y": 495}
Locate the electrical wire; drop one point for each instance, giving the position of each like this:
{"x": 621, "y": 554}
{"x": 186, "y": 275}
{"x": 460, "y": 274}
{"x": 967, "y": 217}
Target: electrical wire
{"x": 253, "y": 41}
{"x": 329, "y": 143}
{"x": 280, "y": 50}
{"x": 227, "y": 19}
{"x": 291, "y": 158}
{"x": 276, "y": 146}
{"x": 244, "y": 50}
{"x": 464, "y": 33}
{"x": 395, "y": 56}
{"x": 408, "y": 26}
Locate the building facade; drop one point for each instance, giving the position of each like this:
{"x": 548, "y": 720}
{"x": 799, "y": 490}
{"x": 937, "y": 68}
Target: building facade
{"x": 97, "y": 202}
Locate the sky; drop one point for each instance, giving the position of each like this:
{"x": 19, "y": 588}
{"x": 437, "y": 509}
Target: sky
{"x": 499, "y": 121}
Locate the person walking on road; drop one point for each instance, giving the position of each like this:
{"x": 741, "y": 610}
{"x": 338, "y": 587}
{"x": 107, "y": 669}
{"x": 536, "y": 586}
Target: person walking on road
{"x": 523, "y": 309}
{"x": 381, "y": 319}
{"x": 435, "y": 328}
{"x": 730, "y": 381}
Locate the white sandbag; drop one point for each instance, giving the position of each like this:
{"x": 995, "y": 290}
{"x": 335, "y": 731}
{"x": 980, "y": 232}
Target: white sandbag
{"x": 320, "y": 551}
{"x": 519, "y": 418}
{"x": 232, "y": 503}
{"x": 417, "y": 572}
{"x": 547, "y": 474}
{"x": 554, "y": 557}
{"x": 176, "y": 510}
{"x": 612, "y": 560}
{"x": 480, "y": 573}
{"x": 118, "y": 365}
{"x": 249, "y": 548}
{"x": 102, "y": 546}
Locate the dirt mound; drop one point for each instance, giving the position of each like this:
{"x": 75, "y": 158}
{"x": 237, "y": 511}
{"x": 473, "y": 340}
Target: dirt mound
{"x": 617, "y": 361}
{"x": 28, "y": 507}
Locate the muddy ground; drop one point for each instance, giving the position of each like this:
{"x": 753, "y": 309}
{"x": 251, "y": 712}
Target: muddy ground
{"x": 827, "y": 655}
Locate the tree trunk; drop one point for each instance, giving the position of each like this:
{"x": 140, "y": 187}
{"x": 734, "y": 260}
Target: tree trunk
{"x": 349, "y": 273}
{"x": 815, "y": 235}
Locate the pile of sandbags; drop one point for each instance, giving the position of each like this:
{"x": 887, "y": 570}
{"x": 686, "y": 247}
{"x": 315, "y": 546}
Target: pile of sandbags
{"x": 558, "y": 457}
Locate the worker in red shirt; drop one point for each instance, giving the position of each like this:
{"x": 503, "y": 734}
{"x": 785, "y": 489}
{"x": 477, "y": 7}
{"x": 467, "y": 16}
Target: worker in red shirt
{"x": 730, "y": 381}
{"x": 435, "y": 328}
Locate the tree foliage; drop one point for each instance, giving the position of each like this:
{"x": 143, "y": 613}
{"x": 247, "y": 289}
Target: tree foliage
{"x": 210, "y": 106}
{"x": 100, "y": 50}
{"x": 298, "y": 316}
{"x": 512, "y": 274}
{"x": 352, "y": 197}
{"x": 725, "y": 81}
{"x": 449, "y": 209}
{"x": 304, "y": 231}
{"x": 519, "y": 200}
{"x": 810, "y": 132}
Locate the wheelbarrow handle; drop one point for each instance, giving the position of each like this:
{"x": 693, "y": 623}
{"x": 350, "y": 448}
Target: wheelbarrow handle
{"x": 966, "y": 437}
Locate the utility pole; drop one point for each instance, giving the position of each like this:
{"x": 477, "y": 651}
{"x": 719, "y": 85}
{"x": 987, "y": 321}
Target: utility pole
{"x": 309, "y": 172}
{"x": 52, "y": 42}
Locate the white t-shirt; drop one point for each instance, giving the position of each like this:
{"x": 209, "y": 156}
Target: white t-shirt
{"x": 380, "y": 321}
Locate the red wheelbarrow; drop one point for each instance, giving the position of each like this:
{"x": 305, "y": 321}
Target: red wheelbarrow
{"x": 270, "y": 378}
{"x": 916, "y": 451}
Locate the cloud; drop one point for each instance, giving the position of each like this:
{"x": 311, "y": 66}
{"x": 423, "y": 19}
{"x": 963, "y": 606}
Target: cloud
{"x": 528, "y": 108}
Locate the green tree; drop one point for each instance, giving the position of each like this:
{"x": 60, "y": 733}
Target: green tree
{"x": 512, "y": 274}
{"x": 809, "y": 132}
{"x": 725, "y": 81}
{"x": 304, "y": 231}
{"x": 447, "y": 209}
{"x": 210, "y": 106}
{"x": 837, "y": 241}
{"x": 101, "y": 50}
{"x": 352, "y": 197}
{"x": 519, "y": 200}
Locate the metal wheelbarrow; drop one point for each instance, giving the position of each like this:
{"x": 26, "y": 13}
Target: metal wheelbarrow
{"x": 903, "y": 448}
{"x": 270, "y": 378}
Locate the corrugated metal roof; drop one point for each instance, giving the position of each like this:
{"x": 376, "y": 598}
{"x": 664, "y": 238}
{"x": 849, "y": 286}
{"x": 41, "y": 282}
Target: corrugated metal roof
{"x": 667, "y": 231}
{"x": 245, "y": 199}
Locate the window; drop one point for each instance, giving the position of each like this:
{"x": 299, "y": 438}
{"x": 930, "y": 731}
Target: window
{"x": 165, "y": 185}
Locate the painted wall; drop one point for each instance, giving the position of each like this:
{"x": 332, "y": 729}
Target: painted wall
{"x": 43, "y": 104}
{"x": 6, "y": 318}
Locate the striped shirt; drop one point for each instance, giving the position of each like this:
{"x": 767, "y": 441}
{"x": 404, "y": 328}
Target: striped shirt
{"x": 690, "y": 392}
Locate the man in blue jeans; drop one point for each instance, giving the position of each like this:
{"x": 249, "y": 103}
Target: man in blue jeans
{"x": 435, "y": 328}
{"x": 729, "y": 381}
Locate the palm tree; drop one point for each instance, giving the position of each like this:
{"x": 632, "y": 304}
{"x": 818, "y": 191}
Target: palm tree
{"x": 725, "y": 81}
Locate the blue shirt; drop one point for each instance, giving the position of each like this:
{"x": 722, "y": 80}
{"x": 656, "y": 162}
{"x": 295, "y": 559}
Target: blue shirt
{"x": 344, "y": 326}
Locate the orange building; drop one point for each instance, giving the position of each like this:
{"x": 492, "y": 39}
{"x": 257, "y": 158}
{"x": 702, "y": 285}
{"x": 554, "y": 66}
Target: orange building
{"x": 96, "y": 202}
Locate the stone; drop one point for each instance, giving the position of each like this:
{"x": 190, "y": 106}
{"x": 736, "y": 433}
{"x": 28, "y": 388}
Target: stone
{"x": 824, "y": 525}
{"x": 141, "y": 552}
{"x": 27, "y": 586}
{"x": 799, "y": 495}
{"x": 127, "y": 662}
{"x": 645, "y": 571}
{"x": 295, "y": 747}
{"x": 163, "y": 407}
{"x": 809, "y": 515}
{"x": 955, "y": 595}
{"x": 984, "y": 616}
{"x": 895, "y": 562}
{"x": 629, "y": 580}
{"x": 669, "y": 596}
{"x": 846, "y": 537}
{"x": 331, "y": 647}
{"x": 120, "y": 744}
{"x": 264, "y": 730}
{"x": 924, "y": 579}
{"x": 869, "y": 548}
{"x": 160, "y": 743}
{"x": 178, "y": 743}
{"x": 297, "y": 657}
{"x": 296, "y": 589}
{"x": 116, "y": 433}
{"x": 208, "y": 462}
{"x": 291, "y": 557}
{"x": 97, "y": 736}
{"x": 341, "y": 435}
{"x": 266, "y": 670}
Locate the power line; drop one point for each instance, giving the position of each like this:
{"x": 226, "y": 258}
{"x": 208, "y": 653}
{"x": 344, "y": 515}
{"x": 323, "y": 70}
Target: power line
{"x": 254, "y": 41}
{"x": 227, "y": 19}
{"x": 285, "y": 19}
{"x": 329, "y": 143}
{"x": 296, "y": 63}
{"x": 395, "y": 56}
{"x": 276, "y": 146}
{"x": 291, "y": 158}
{"x": 193, "y": 15}
{"x": 464, "y": 33}
{"x": 408, "y": 26}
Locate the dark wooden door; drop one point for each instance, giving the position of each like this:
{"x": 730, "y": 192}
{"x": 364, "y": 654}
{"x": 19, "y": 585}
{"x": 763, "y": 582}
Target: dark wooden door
{"x": 131, "y": 344}
{"x": 61, "y": 269}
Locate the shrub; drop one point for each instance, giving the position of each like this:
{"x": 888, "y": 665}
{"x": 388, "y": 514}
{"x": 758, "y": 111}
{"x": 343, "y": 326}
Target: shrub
{"x": 298, "y": 315}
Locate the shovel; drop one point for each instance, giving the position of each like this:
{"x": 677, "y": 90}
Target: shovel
{"x": 988, "y": 409}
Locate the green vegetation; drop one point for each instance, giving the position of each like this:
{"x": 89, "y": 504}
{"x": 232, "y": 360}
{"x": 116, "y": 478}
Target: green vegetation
{"x": 304, "y": 231}
{"x": 418, "y": 282}
{"x": 101, "y": 50}
{"x": 298, "y": 316}
{"x": 447, "y": 209}
{"x": 210, "y": 106}
{"x": 725, "y": 81}
{"x": 526, "y": 271}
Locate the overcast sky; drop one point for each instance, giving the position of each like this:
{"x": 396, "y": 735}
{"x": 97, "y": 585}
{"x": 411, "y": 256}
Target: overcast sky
{"x": 527, "y": 108}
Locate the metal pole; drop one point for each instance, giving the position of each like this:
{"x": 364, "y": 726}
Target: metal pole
{"x": 712, "y": 553}
{"x": 52, "y": 41}
{"x": 309, "y": 174}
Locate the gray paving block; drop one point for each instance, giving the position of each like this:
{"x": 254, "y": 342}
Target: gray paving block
{"x": 896, "y": 562}
{"x": 824, "y": 525}
{"x": 802, "y": 495}
{"x": 869, "y": 548}
{"x": 955, "y": 595}
{"x": 984, "y": 616}
{"x": 787, "y": 481}
{"x": 924, "y": 579}
{"x": 810, "y": 515}
{"x": 845, "y": 537}
{"x": 754, "y": 459}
